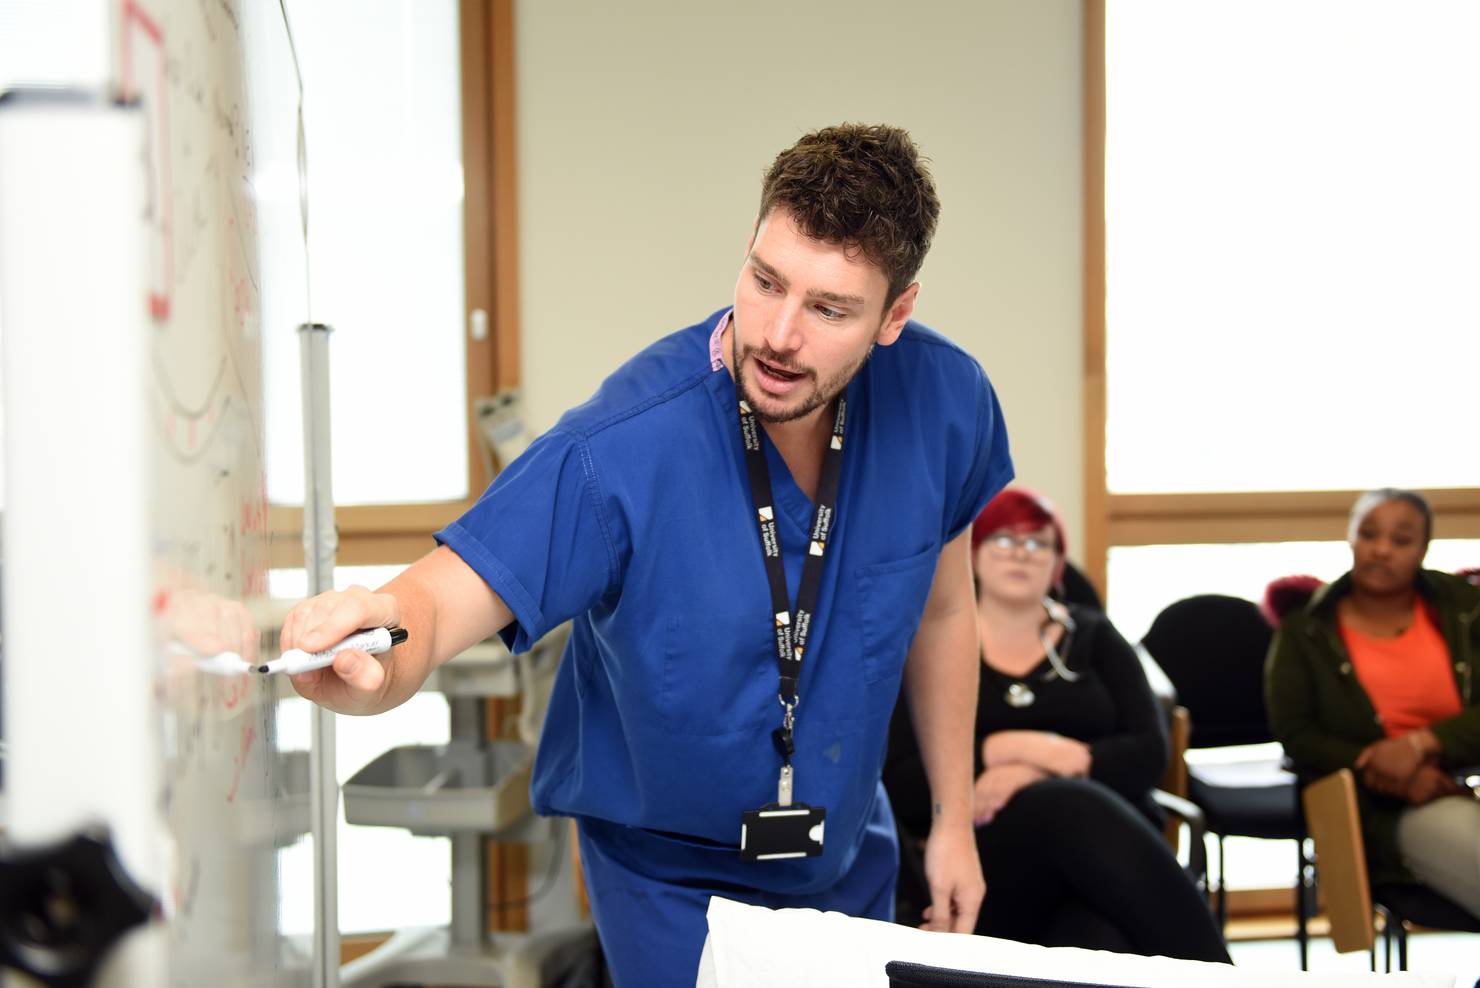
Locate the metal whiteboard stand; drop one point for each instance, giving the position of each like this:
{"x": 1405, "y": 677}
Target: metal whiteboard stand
{"x": 320, "y": 546}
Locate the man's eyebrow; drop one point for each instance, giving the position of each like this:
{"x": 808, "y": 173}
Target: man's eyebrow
{"x": 840, "y": 299}
{"x": 827, "y": 296}
{"x": 767, "y": 270}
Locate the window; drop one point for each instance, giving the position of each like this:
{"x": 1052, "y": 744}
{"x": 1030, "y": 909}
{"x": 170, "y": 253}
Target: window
{"x": 412, "y": 260}
{"x": 1280, "y": 209}
{"x": 385, "y": 244}
{"x": 1290, "y": 235}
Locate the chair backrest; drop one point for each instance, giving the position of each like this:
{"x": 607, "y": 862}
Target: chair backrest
{"x": 1162, "y": 689}
{"x": 1212, "y": 647}
{"x": 1332, "y": 822}
{"x": 1078, "y": 589}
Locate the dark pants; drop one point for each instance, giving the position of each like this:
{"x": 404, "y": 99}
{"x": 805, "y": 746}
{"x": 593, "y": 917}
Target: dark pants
{"x": 1069, "y": 863}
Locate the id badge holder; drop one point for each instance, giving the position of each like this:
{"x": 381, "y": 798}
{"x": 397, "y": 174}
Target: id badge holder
{"x": 783, "y": 829}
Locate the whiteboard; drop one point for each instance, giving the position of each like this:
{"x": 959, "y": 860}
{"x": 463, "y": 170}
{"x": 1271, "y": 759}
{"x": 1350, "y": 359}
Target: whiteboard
{"x": 146, "y": 249}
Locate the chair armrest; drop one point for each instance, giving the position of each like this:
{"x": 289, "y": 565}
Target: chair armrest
{"x": 1332, "y": 820}
{"x": 1197, "y": 829}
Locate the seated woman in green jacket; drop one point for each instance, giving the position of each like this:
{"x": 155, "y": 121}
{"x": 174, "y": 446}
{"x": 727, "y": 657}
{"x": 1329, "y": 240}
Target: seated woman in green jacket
{"x": 1375, "y": 673}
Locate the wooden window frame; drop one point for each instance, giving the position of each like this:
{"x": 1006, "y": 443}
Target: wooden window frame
{"x": 401, "y": 533}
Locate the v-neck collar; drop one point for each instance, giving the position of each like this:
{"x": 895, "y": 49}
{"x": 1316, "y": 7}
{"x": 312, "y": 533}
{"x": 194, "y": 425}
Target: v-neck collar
{"x": 785, "y": 491}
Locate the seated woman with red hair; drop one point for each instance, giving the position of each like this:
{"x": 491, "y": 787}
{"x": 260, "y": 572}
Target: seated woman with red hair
{"x": 1069, "y": 745}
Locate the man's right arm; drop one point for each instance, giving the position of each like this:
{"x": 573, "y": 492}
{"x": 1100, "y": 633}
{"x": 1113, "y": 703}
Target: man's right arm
{"x": 442, "y": 603}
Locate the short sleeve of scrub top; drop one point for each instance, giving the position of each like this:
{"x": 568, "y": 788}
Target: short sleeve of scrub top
{"x": 543, "y": 544}
{"x": 991, "y": 468}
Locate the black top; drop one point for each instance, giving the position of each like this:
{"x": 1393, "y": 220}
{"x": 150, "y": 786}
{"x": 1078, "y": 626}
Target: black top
{"x": 1109, "y": 707}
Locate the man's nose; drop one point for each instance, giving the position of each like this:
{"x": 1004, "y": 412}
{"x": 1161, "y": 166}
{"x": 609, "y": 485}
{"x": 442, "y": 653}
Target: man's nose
{"x": 784, "y": 335}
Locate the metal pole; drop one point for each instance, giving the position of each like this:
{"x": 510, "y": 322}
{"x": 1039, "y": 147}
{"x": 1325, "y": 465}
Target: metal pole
{"x": 468, "y": 928}
{"x": 320, "y": 545}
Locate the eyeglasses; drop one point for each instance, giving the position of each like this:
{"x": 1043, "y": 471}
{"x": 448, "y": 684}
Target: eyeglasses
{"x": 1004, "y": 543}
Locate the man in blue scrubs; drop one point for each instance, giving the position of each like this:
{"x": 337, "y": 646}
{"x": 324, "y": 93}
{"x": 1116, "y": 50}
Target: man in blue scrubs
{"x": 758, "y": 526}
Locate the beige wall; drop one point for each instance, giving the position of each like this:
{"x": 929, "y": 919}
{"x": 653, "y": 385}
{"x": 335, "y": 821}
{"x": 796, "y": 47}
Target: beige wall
{"x": 645, "y": 126}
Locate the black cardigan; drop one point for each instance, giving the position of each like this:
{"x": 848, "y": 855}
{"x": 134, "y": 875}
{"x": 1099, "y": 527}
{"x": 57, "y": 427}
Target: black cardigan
{"x": 1109, "y": 707}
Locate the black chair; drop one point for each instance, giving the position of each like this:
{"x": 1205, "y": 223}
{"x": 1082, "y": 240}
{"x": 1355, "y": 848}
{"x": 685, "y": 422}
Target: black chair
{"x": 1403, "y": 907}
{"x": 1078, "y": 589}
{"x": 1212, "y": 647}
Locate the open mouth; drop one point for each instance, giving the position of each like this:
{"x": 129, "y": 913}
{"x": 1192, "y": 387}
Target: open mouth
{"x": 777, "y": 376}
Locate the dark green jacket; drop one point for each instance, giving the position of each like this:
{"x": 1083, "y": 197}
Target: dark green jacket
{"x": 1320, "y": 713}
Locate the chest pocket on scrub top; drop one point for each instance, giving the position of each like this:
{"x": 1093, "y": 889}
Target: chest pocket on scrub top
{"x": 718, "y": 675}
{"x": 892, "y": 597}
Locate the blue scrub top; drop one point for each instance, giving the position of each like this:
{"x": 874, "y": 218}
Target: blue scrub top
{"x": 632, "y": 518}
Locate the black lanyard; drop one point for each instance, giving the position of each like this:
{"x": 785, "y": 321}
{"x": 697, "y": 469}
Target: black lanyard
{"x": 792, "y": 628}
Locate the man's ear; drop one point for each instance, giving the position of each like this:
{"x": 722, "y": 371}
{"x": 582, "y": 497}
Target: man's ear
{"x": 899, "y": 313}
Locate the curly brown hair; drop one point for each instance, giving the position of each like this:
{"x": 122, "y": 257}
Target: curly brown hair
{"x": 864, "y": 187}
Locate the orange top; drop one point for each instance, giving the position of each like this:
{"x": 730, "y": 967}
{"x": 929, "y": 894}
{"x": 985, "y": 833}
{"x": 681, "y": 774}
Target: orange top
{"x": 1409, "y": 678}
